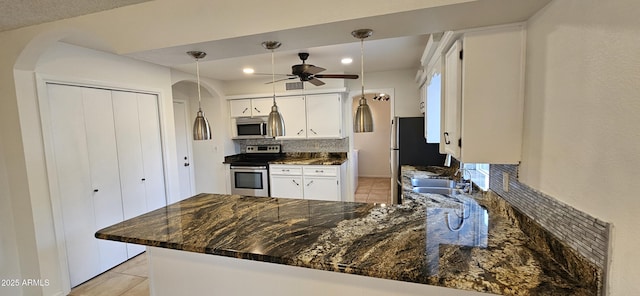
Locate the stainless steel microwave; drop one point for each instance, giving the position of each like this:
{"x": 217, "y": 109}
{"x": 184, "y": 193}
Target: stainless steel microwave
{"x": 249, "y": 128}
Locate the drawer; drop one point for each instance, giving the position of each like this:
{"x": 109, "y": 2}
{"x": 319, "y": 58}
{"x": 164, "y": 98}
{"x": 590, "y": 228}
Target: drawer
{"x": 285, "y": 170}
{"x": 321, "y": 170}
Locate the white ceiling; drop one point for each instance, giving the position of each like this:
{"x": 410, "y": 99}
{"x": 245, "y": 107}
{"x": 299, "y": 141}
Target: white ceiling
{"x": 397, "y": 42}
{"x": 22, "y": 13}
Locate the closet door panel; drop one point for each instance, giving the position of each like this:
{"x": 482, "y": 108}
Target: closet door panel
{"x": 104, "y": 173}
{"x": 151, "y": 151}
{"x": 125, "y": 113}
{"x": 74, "y": 181}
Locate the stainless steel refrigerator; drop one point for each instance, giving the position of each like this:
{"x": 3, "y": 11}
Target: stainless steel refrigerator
{"x": 409, "y": 147}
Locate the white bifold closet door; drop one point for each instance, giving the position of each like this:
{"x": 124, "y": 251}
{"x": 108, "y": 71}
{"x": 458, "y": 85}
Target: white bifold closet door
{"x": 88, "y": 177}
{"x": 108, "y": 168}
{"x": 141, "y": 174}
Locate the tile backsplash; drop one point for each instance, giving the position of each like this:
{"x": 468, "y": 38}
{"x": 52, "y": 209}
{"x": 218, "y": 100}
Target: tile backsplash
{"x": 587, "y": 235}
{"x": 311, "y": 145}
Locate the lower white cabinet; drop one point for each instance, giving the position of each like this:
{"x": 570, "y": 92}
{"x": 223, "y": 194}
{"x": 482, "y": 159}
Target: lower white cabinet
{"x": 106, "y": 166}
{"x": 319, "y": 182}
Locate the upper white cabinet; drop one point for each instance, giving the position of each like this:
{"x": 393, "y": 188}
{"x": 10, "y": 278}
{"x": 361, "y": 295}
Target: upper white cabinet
{"x": 317, "y": 116}
{"x": 482, "y": 102}
{"x": 293, "y": 113}
{"x": 250, "y": 107}
{"x": 324, "y": 116}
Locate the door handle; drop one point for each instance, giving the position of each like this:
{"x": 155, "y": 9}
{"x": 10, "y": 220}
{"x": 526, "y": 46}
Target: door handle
{"x": 310, "y": 182}
{"x": 245, "y": 110}
{"x": 314, "y": 132}
{"x": 95, "y": 190}
{"x": 254, "y": 108}
{"x": 294, "y": 182}
{"x": 446, "y": 138}
{"x": 186, "y": 164}
{"x": 300, "y": 132}
{"x": 144, "y": 179}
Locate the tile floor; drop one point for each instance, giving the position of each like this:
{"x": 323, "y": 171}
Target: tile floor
{"x": 131, "y": 277}
{"x": 373, "y": 190}
{"x": 127, "y": 279}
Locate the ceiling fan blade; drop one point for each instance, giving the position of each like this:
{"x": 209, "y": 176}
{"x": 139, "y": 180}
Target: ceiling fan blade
{"x": 316, "y": 82}
{"x": 264, "y": 74}
{"x": 342, "y": 76}
{"x": 311, "y": 69}
{"x": 283, "y": 79}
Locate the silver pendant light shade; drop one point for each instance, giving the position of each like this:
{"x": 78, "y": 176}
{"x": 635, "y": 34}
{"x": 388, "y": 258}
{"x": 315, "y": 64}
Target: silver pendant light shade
{"x": 363, "y": 121}
{"x": 275, "y": 122}
{"x": 201, "y": 128}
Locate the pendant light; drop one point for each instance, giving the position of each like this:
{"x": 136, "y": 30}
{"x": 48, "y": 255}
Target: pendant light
{"x": 275, "y": 122}
{"x": 363, "y": 121}
{"x": 201, "y": 128}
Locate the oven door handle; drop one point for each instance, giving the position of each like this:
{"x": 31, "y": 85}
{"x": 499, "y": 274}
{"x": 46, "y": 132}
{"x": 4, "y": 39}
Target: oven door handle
{"x": 263, "y": 128}
{"x": 249, "y": 167}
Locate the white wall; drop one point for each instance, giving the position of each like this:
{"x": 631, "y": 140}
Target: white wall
{"x": 374, "y": 148}
{"x": 207, "y": 155}
{"x": 406, "y": 92}
{"x": 582, "y": 118}
{"x": 9, "y": 265}
{"x": 74, "y": 64}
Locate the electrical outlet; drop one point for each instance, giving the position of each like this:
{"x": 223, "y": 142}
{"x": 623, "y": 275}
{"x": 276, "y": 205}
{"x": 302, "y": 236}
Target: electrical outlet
{"x": 505, "y": 181}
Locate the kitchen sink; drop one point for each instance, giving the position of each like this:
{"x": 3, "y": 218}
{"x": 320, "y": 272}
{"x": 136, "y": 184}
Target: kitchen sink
{"x": 429, "y": 183}
{"x": 436, "y": 190}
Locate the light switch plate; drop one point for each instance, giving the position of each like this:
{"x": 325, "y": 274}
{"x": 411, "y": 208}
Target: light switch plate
{"x": 505, "y": 181}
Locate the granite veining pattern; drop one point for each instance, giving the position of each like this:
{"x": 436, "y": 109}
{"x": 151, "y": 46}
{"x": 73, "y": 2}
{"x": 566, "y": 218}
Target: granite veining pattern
{"x": 463, "y": 242}
{"x": 303, "y": 158}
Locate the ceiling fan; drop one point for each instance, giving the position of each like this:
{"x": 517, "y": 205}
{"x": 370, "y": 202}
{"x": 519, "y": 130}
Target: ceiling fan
{"x": 308, "y": 72}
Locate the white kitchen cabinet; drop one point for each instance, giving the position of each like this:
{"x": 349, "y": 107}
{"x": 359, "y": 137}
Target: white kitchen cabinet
{"x": 451, "y": 109}
{"x": 240, "y": 108}
{"x": 99, "y": 140}
{"x": 318, "y": 182}
{"x": 293, "y": 111}
{"x": 286, "y": 181}
{"x": 324, "y": 116}
{"x": 482, "y": 105}
{"x": 322, "y": 182}
{"x": 250, "y": 107}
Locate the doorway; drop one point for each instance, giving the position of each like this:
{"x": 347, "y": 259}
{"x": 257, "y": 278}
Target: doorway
{"x": 374, "y": 154}
{"x": 183, "y": 141}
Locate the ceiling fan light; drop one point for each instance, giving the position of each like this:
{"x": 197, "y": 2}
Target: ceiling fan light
{"x": 201, "y": 128}
{"x": 363, "y": 122}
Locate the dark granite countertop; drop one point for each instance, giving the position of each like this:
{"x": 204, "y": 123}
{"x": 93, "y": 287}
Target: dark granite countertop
{"x": 303, "y": 158}
{"x": 460, "y": 242}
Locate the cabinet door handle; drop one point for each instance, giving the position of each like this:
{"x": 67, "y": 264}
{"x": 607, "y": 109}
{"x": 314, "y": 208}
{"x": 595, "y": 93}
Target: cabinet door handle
{"x": 186, "y": 164}
{"x": 300, "y": 132}
{"x": 144, "y": 179}
{"x": 446, "y": 138}
{"x": 294, "y": 182}
{"x": 95, "y": 190}
{"x": 254, "y": 108}
{"x": 310, "y": 182}
{"x": 319, "y": 171}
{"x": 245, "y": 110}
{"x": 314, "y": 132}
{"x": 285, "y": 170}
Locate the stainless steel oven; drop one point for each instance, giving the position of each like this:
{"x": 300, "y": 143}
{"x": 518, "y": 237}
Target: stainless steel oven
{"x": 250, "y": 180}
{"x": 249, "y": 171}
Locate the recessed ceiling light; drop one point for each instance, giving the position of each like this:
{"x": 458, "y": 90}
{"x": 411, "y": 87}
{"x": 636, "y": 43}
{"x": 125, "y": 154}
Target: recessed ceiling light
{"x": 346, "y": 61}
{"x": 248, "y": 70}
